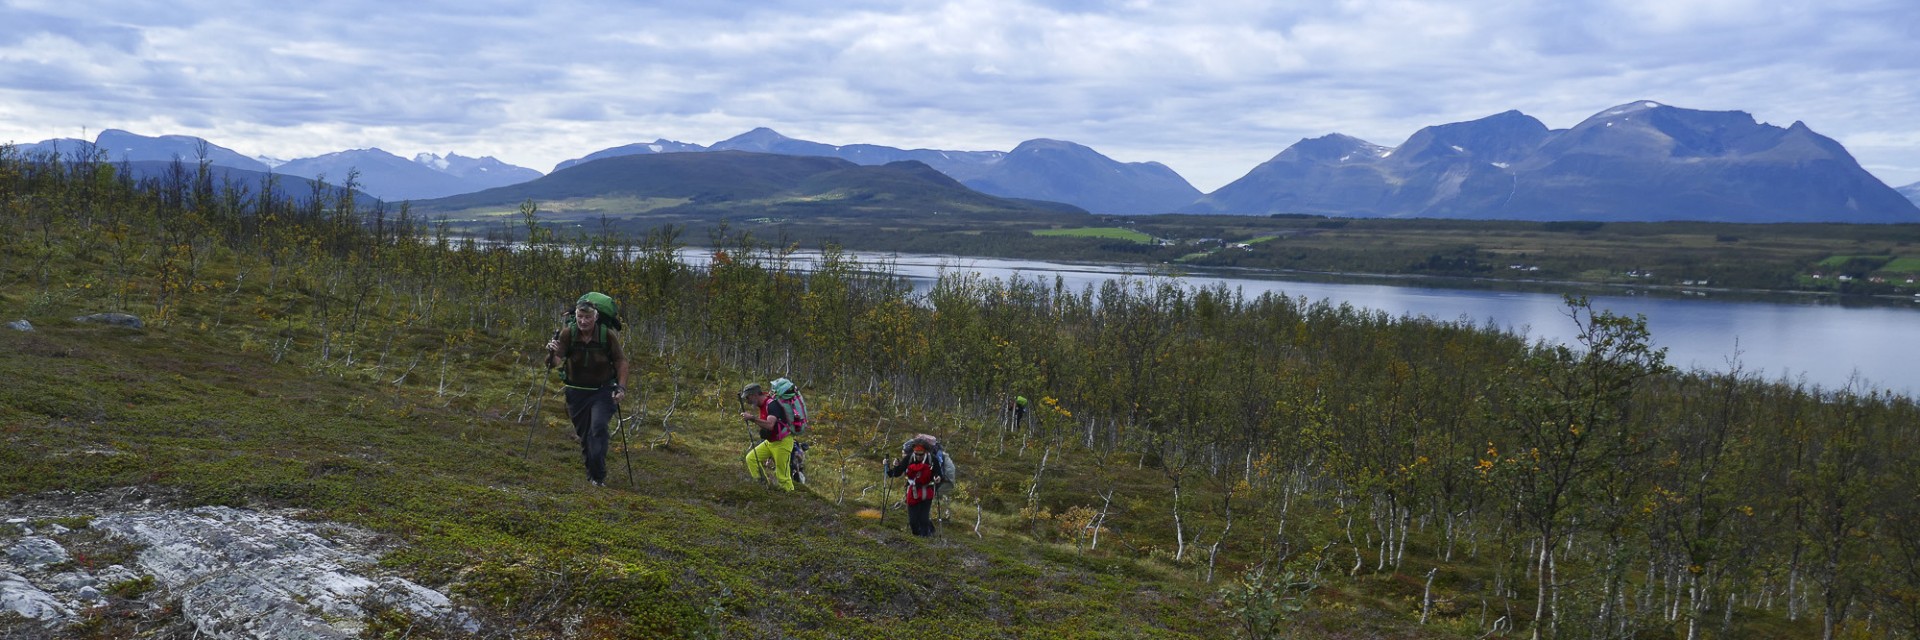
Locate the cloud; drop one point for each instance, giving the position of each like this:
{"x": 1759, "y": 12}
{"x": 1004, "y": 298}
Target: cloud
{"x": 1210, "y": 89}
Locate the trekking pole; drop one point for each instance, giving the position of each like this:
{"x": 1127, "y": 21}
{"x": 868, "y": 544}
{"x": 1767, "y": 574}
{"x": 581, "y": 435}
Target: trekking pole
{"x": 766, "y": 476}
{"x": 626, "y": 446}
{"x": 540, "y": 400}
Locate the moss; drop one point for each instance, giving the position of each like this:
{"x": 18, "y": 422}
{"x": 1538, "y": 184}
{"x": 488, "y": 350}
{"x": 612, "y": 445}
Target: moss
{"x": 132, "y": 588}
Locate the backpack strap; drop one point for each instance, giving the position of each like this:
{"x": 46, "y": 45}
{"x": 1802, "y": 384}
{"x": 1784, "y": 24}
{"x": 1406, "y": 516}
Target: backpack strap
{"x": 572, "y": 336}
{"x": 782, "y": 421}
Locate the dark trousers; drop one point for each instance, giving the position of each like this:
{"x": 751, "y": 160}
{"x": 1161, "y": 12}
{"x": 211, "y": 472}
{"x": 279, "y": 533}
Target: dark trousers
{"x": 591, "y": 409}
{"x": 920, "y": 518}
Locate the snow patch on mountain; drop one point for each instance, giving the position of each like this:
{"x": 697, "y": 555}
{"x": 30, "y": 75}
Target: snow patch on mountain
{"x": 432, "y": 160}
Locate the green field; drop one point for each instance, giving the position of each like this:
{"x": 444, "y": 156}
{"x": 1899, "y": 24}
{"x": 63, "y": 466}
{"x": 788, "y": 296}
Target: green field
{"x": 1838, "y": 261}
{"x": 571, "y": 209}
{"x": 1111, "y": 233}
{"x": 1903, "y": 265}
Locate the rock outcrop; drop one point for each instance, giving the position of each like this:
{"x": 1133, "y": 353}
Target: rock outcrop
{"x": 235, "y": 573}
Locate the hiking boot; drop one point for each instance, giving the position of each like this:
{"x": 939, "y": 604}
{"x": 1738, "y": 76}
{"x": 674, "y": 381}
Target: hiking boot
{"x": 598, "y": 483}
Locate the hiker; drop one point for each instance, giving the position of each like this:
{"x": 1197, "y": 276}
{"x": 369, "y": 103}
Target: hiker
{"x": 776, "y": 430}
{"x": 1019, "y": 410}
{"x": 921, "y": 466}
{"x": 788, "y": 395}
{"x": 594, "y": 370}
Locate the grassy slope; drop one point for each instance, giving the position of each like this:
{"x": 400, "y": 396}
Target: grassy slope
{"x": 693, "y": 549}
{"x": 1112, "y": 233}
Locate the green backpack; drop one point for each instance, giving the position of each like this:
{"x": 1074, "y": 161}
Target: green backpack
{"x": 609, "y": 311}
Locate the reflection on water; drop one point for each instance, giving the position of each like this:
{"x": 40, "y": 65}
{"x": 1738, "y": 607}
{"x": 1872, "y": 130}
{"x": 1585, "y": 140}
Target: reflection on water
{"x": 1814, "y": 340}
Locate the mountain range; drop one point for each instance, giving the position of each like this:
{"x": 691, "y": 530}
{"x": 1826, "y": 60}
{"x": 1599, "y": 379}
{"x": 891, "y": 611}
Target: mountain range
{"x": 377, "y": 173}
{"x": 426, "y": 176}
{"x": 1036, "y": 169}
{"x": 1639, "y": 161}
{"x": 1643, "y": 161}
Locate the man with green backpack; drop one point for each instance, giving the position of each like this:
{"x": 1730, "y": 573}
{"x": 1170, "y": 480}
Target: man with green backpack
{"x": 594, "y": 369}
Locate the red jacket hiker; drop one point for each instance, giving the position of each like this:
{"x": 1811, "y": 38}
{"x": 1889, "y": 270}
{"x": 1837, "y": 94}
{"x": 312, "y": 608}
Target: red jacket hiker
{"x": 919, "y": 482}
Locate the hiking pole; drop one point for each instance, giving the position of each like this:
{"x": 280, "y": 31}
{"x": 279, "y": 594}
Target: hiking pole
{"x": 540, "y": 400}
{"x": 626, "y": 447}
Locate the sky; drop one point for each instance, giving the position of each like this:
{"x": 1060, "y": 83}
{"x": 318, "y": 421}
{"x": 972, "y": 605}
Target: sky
{"x": 1209, "y": 88}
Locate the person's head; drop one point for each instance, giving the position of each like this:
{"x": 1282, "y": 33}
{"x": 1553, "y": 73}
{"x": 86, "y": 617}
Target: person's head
{"x": 919, "y": 451}
{"x": 585, "y": 315}
{"x": 753, "y": 393}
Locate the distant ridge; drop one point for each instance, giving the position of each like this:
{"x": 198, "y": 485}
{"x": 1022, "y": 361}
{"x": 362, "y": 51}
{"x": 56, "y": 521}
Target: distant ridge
{"x": 250, "y": 183}
{"x": 661, "y": 145}
{"x": 730, "y": 182}
{"x": 1912, "y": 192}
{"x": 1641, "y": 161}
{"x": 384, "y": 175}
{"x": 118, "y": 146}
{"x": 1045, "y": 170}
{"x": 485, "y": 172}
{"x": 426, "y": 176}
{"x": 1063, "y": 171}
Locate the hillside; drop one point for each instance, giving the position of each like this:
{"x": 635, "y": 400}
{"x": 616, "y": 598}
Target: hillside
{"x": 735, "y": 183}
{"x": 525, "y": 546}
{"x": 1356, "y": 476}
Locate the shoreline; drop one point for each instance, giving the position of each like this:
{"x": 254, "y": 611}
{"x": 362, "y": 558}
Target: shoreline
{"x": 1474, "y": 283}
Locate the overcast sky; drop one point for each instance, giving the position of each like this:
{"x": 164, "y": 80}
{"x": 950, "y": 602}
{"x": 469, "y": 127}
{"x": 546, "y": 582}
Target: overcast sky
{"x": 1209, "y": 88}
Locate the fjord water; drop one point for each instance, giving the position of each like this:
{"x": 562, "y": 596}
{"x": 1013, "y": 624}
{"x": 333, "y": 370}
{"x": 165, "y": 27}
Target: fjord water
{"x": 1798, "y": 339}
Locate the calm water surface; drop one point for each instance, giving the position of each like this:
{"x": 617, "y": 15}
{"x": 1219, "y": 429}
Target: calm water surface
{"x": 1811, "y": 340}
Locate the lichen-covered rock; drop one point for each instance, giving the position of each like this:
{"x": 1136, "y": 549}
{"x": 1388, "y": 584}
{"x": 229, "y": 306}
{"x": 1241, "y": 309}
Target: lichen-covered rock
{"x": 115, "y": 574}
{"x": 36, "y": 551}
{"x": 246, "y": 574}
{"x": 19, "y": 596}
{"x": 73, "y": 580}
{"x": 20, "y": 325}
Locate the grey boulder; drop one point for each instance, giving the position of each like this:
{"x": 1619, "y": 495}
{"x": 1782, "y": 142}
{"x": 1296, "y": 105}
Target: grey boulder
{"x": 20, "y": 597}
{"x": 127, "y": 320}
